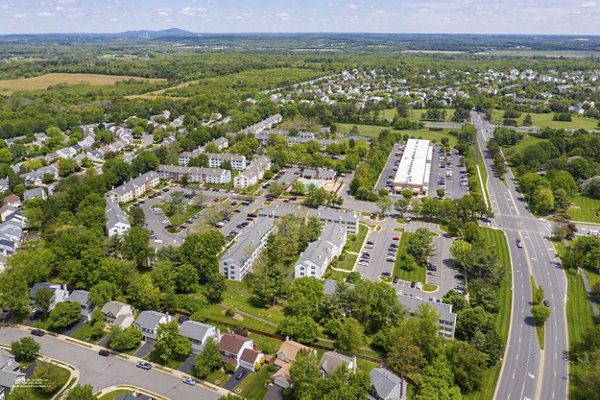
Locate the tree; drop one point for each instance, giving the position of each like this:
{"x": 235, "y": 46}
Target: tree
{"x": 14, "y": 292}
{"x": 385, "y": 204}
{"x": 43, "y": 300}
{"x": 97, "y": 322}
{"x": 169, "y": 344}
{"x": 276, "y": 189}
{"x": 460, "y": 249}
{"x": 527, "y": 121}
{"x": 595, "y": 293}
{"x": 405, "y": 358}
{"x": 124, "y": 339}
{"x": 438, "y": 382}
{"x": 136, "y": 246}
{"x": 49, "y": 374}
{"x": 540, "y": 314}
{"x": 103, "y": 292}
{"x": 215, "y": 287}
{"x": 407, "y": 194}
{"x": 66, "y": 166}
{"x": 302, "y": 329}
{"x": 298, "y": 188}
{"x": 471, "y": 320}
{"x": 589, "y": 380}
{"x": 64, "y": 314}
{"x": 351, "y": 336}
{"x": 137, "y": 216}
{"x": 144, "y": 294}
{"x": 25, "y": 349}
{"x": 543, "y": 200}
{"x": 419, "y": 245}
{"x": 305, "y": 296}
{"x": 81, "y": 392}
{"x": 538, "y": 295}
{"x": 209, "y": 360}
{"x": 467, "y": 364}
{"x": 401, "y": 205}
{"x": 441, "y": 193}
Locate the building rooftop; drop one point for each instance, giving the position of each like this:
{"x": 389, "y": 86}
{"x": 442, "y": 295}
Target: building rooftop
{"x": 249, "y": 239}
{"x": 412, "y": 169}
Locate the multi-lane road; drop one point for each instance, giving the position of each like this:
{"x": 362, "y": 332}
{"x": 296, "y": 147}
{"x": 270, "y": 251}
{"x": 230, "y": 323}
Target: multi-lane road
{"x": 528, "y": 372}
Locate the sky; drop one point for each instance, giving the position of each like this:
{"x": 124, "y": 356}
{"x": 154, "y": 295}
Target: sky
{"x": 575, "y": 17}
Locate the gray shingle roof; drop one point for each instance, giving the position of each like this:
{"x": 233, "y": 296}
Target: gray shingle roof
{"x": 149, "y": 319}
{"x": 193, "y": 329}
{"x": 387, "y": 385}
{"x": 79, "y": 296}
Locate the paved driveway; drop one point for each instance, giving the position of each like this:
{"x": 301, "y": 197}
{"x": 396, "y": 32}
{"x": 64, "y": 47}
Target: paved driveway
{"x": 145, "y": 349}
{"x": 76, "y": 326}
{"x": 101, "y": 372}
{"x": 233, "y": 382}
{"x": 188, "y": 364}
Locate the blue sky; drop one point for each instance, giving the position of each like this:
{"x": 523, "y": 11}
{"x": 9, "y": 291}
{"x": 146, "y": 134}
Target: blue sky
{"x": 395, "y": 16}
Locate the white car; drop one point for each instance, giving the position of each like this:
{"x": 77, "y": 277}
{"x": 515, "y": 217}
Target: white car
{"x": 189, "y": 381}
{"x": 419, "y": 285}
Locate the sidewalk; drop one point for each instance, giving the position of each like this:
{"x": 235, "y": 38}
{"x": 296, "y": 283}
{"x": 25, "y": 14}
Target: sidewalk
{"x": 588, "y": 289}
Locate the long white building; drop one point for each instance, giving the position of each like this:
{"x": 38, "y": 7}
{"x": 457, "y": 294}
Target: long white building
{"x": 195, "y": 174}
{"x": 415, "y": 167}
{"x": 319, "y": 254}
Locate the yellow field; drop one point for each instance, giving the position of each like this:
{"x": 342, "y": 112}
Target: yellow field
{"x": 43, "y": 81}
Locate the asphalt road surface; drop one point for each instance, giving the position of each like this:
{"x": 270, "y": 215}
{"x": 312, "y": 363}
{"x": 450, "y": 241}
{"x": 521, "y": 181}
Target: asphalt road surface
{"x": 528, "y": 372}
{"x": 449, "y": 173}
{"x": 101, "y": 372}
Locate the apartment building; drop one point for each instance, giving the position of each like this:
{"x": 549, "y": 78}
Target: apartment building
{"x": 319, "y": 254}
{"x": 195, "y": 174}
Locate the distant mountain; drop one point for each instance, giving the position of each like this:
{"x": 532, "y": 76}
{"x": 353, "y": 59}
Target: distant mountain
{"x": 68, "y": 38}
{"x": 146, "y": 34}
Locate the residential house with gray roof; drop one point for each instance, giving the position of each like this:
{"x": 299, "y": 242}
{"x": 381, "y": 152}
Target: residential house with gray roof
{"x": 386, "y": 386}
{"x": 60, "y": 292}
{"x": 34, "y": 193}
{"x": 199, "y": 333}
{"x": 147, "y": 323}
{"x": 117, "y": 223}
{"x": 447, "y": 319}
{"x": 118, "y": 314}
{"x": 81, "y": 297}
{"x": 10, "y": 374}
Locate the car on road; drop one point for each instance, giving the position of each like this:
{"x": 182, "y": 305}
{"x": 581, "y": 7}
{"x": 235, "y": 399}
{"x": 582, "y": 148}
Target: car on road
{"x": 459, "y": 287}
{"x": 396, "y": 238}
{"x": 393, "y": 246}
{"x": 546, "y": 303}
{"x": 240, "y": 374}
{"x": 38, "y": 332}
{"x": 189, "y": 381}
{"x": 104, "y": 352}
{"x": 459, "y": 276}
{"x": 519, "y": 243}
{"x": 35, "y": 315}
{"x": 144, "y": 365}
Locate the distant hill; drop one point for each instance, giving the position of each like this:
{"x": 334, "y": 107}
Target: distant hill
{"x": 85, "y": 37}
{"x": 146, "y": 34}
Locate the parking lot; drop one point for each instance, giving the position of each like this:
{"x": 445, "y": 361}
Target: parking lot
{"x": 378, "y": 254}
{"x": 447, "y": 174}
{"x": 391, "y": 166}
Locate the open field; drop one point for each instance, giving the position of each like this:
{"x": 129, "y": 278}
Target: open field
{"x": 43, "y": 81}
{"x": 416, "y": 275}
{"x": 414, "y": 114}
{"x": 583, "y": 208}
{"x": 545, "y": 120}
{"x": 498, "y": 242}
{"x": 373, "y": 131}
{"x": 528, "y": 141}
{"x": 355, "y": 242}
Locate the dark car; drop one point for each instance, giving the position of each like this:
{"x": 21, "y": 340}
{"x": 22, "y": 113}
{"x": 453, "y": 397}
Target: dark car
{"x": 183, "y": 318}
{"x": 546, "y": 303}
{"x": 459, "y": 276}
{"x": 35, "y": 315}
{"x": 104, "y": 352}
{"x": 413, "y": 284}
{"x": 252, "y": 215}
{"x": 38, "y": 332}
{"x": 396, "y": 279}
{"x": 240, "y": 374}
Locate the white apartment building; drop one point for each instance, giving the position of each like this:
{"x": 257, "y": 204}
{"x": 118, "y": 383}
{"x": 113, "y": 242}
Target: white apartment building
{"x": 319, "y": 254}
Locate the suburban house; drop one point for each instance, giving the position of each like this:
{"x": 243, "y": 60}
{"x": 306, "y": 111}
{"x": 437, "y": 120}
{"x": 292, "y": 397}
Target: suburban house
{"x": 251, "y": 359}
{"x": 237, "y": 261}
{"x": 135, "y": 187}
{"x": 331, "y": 360}
{"x": 326, "y": 215}
{"x": 198, "y": 333}
{"x": 82, "y": 298}
{"x": 194, "y": 174}
{"x": 60, "y": 292}
{"x": 284, "y": 358}
{"x": 117, "y": 223}
{"x": 10, "y": 375}
{"x": 12, "y": 200}
{"x": 11, "y": 230}
{"x": 447, "y": 321}
{"x": 386, "y": 386}
{"x": 67, "y": 152}
{"x": 221, "y": 143}
{"x": 233, "y": 346}
{"x": 7, "y": 210}
{"x": 318, "y": 255}
{"x": 118, "y": 314}
{"x": 148, "y": 321}
{"x": 34, "y": 193}
{"x": 215, "y": 160}
{"x": 253, "y": 173}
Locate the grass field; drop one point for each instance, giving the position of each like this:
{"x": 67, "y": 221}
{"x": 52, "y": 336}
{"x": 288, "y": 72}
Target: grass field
{"x": 582, "y": 209}
{"x": 497, "y": 240}
{"x": 43, "y": 81}
{"x": 528, "y": 141}
{"x": 348, "y": 262}
{"x": 545, "y": 120}
{"x": 253, "y": 387}
{"x": 416, "y": 275}
{"x": 373, "y": 131}
{"x": 355, "y": 242}
{"x": 62, "y": 375}
{"x": 217, "y": 377}
{"x": 84, "y": 332}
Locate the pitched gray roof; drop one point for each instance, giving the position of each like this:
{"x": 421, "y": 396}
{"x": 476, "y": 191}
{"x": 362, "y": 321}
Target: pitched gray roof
{"x": 114, "y": 214}
{"x": 387, "y": 385}
{"x": 250, "y": 238}
{"x": 330, "y": 361}
{"x": 47, "y": 285}
{"x": 33, "y": 193}
{"x": 193, "y": 329}
{"x": 149, "y": 319}
{"x": 79, "y": 296}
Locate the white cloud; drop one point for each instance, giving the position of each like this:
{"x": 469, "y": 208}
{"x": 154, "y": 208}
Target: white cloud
{"x": 44, "y": 14}
{"x": 19, "y": 15}
{"x": 284, "y": 16}
{"x": 589, "y": 4}
{"x": 353, "y": 6}
{"x": 192, "y": 11}
{"x": 66, "y": 1}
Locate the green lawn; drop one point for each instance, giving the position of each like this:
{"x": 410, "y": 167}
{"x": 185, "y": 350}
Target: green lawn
{"x": 355, "y": 242}
{"x": 84, "y": 332}
{"x": 266, "y": 344}
{"x": 420, "y": 114}
{"x": 373, "y": 131}
{"x": 528, "y": 141}
{"x": 545, "y": 120}
{"x": 217, "y": 377}
{"x": 115, "y": 394}
{"x": 497, "y": 240}
{"x": 253, "y": 387}
{"x": 179, "y": 218}
{"x": 171, "y": 363}
{"x": 583, "y": 209}
{"x": 389, "y": 114}
{"x": 348, "y": 262}
{"x": 416, "y": 275}
{"x": 63, "y": 375}
{"x": 484, "y": 175}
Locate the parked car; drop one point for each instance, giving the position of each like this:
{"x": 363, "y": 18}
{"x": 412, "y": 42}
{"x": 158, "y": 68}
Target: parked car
{"x": 189, "y": 381}
{"x": 38, "y": 332}
{"x": 104, "y": 352}
{"x": 386, "y": 274}
{"x": 459, "y": 276}
{"x": 240, "y": 374}
{"x": 35, "y": 315}
{"x": 396, "y": 279}
{"x": 419, "y": 285}
{"x": 519, "y": 244}
{"x": 144, "y": 365}
{"x": 396, "y": 238}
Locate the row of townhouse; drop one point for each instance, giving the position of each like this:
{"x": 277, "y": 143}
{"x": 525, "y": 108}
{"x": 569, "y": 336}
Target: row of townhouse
{"x": 254, "y": 173}
{"x": 135, "y": 187}
{"x": 11, "y": 231}
{"x": 185, "y": 157}
{"x": 215, "y": 160}
{"x": 117, "y": 223}
{"x": 300, "y": 137}
{"x": 237, "y": 261}
{"x": 319, "y": 254}
{"x": 348, "y": 219}
{"x": 266, "y": 123}
{"x": 36, "y": 177}
{"x": 194, "y": 174}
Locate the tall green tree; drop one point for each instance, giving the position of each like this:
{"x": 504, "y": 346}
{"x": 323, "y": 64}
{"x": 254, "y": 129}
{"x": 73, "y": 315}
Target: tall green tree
{"x": 169, "y": 344}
